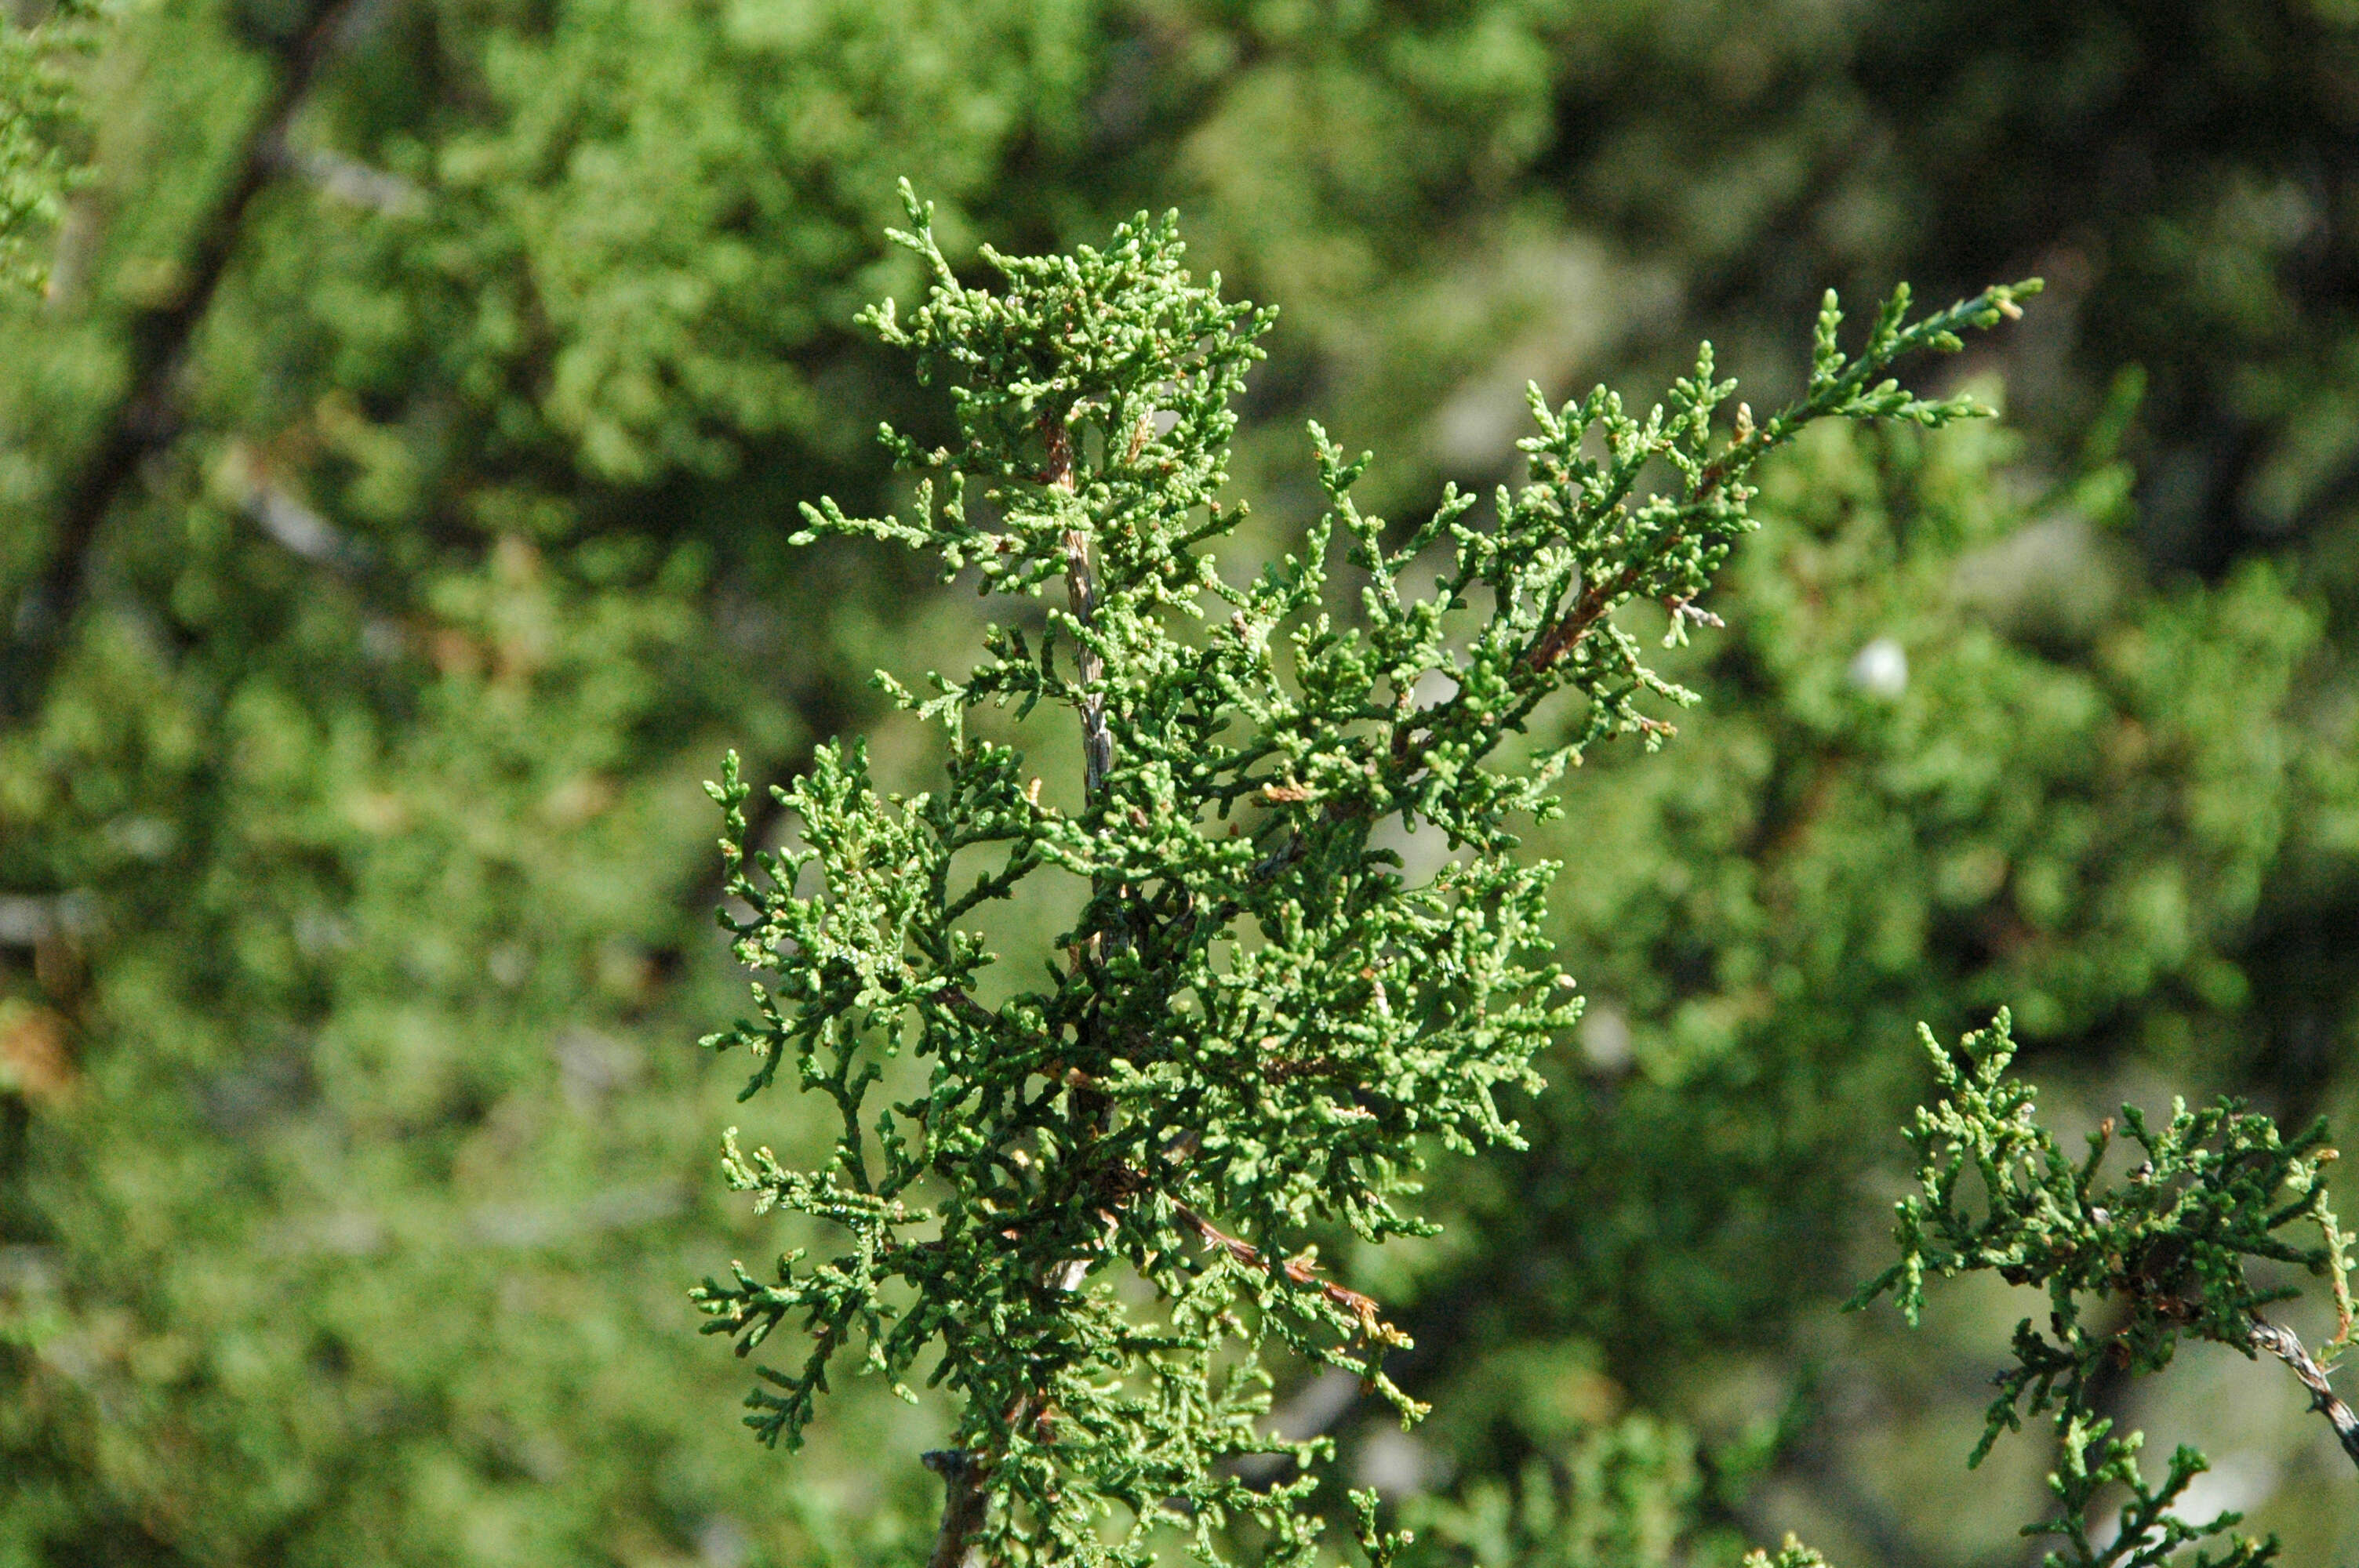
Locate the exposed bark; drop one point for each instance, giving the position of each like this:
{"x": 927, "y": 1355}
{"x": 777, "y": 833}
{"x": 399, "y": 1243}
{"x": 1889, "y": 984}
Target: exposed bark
{"x": 1097, "y": 740}
{"x": 1082, "y": 593}
{"x": 962, "y": 1504}
{"x": 2283, "y": 1343}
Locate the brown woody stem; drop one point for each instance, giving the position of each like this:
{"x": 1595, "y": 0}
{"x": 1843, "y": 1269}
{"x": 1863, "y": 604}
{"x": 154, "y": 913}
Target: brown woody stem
{"x": 2283, "y": 1343}
{"x": 1097, "y": 739}
{"x": 962, "y": 1506}
{"x": 1082, "y": 593}
{"x": 1365, "y": 1308}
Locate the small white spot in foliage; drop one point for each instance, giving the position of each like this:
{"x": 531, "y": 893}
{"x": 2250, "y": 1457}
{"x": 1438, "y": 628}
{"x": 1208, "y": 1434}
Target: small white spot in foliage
{"x": 1605, "y": 1037}
{"x": 1881, "y": 669}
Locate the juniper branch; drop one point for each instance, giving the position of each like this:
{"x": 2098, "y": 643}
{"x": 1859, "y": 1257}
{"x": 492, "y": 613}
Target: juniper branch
{"x": 962, "y": 1506}
{"x": 1260, "y": 1022}
{"x": 2170, "y": 1243}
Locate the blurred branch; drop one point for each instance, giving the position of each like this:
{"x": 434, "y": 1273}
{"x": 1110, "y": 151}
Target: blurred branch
{"x": 158, "y": 337}
{"x": 289, "y": 520}
{"x": 347, "y": 179}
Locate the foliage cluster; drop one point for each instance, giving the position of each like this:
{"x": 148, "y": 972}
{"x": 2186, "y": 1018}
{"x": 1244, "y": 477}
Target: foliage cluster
{"x": 39, "y": 114}
{"x": 1260, "y": 1018}
{"x": 2170, "y": 1247}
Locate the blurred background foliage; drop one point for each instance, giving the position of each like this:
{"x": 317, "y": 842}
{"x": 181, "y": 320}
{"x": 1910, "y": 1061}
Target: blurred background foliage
{"x": 396, "y": 465}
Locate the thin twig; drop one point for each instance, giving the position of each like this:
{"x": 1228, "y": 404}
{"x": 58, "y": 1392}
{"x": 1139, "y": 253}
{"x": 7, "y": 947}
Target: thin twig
{"x": 1599, "y": 597}
{"x": 1301, "y": 1270}
{"x": 1082, "y": 591}
{"x": 962, "y": 1506}
{"x": 2282, "y": 1343}
{"x": 1097, "y": 739}
{"x": 1587, "y": 611}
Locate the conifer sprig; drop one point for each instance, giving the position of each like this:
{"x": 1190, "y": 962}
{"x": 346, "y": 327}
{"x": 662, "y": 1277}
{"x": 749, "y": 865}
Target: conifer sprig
{"x": 2163, "y": 1251}
{"x": 1259, "y": 1020}
{"x": 2145, "y": 1531}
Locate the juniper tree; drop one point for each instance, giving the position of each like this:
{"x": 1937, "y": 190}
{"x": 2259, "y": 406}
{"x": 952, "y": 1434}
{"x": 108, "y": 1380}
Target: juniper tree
{"x": 1258, "y": 1022}
{"x": 535, "y": 303}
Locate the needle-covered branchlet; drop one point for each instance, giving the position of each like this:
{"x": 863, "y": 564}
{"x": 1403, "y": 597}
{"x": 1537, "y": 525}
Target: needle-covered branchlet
{"x": 1260, "y": 1023}
{"x": 2168, "y": 1246}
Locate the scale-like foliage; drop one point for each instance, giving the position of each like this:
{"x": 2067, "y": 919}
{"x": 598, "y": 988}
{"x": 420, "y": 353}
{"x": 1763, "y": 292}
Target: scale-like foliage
{"x": 2165, "y": 1249}
{"x": 38, "y": 110}
{"x": 1259, "y": 1020}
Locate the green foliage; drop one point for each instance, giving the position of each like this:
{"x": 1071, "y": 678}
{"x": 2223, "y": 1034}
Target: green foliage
{"x": 640, "y": 247}
{"x": 1259, "y": 1017}
{"x": 350, "y": 865}
{"x": 41, "y": 111}
{"x": 2170, "y": 1243}
{"x": 1515, "y": 184}
{"x": 351, "y": 904}
{"x": 2068, "y": 802}
{"x": 1792, "y": 1554}
{"x": 1616, "y": 1494}
{"x": 2168, "y": 1249}
{"x": 1381, "y": 1546}
{"x": 2147, "y": 1532}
